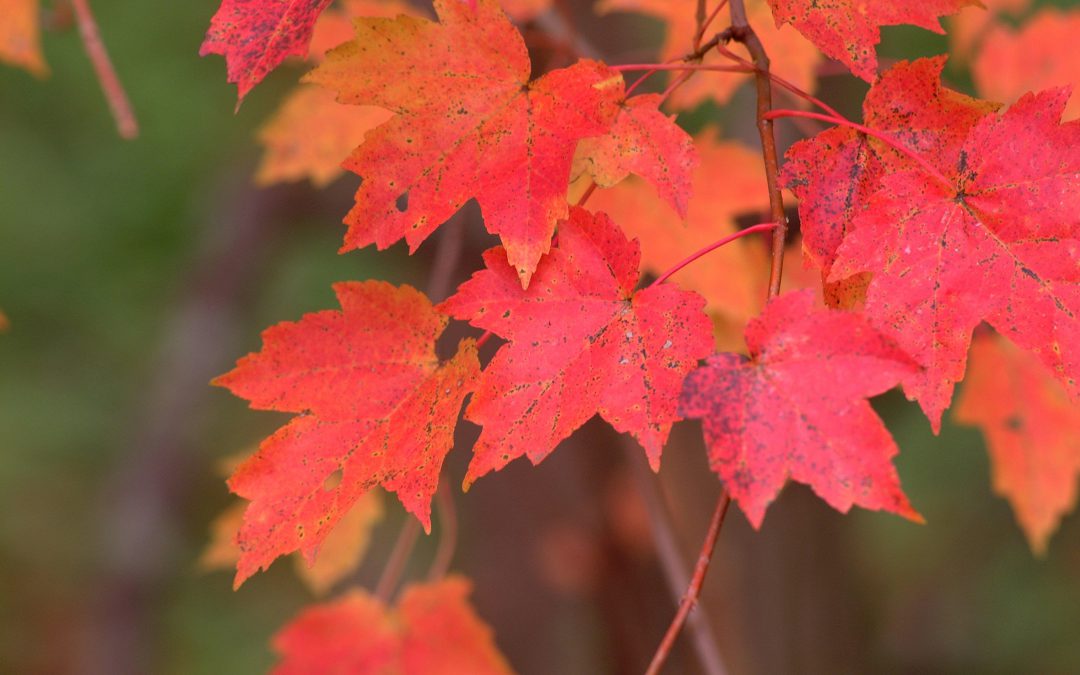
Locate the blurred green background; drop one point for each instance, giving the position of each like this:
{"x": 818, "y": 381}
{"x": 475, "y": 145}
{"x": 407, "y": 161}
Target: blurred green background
{"x": 132, "y": 272}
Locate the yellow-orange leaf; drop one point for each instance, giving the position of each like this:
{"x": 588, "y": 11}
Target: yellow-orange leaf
{"x": 311, "y": 134}
{"x": 344, "y": 547}
{"x": 20, "y": 36}
{"x": 1032, "y": 433}
{"x": 340, "y": 553}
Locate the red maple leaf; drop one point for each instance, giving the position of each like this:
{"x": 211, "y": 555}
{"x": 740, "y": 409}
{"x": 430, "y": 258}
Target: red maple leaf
{"x": 1032, "y": 432}
{"x": 993, "y": 235}
{"x": 378, "y": 409}
{"x": 835, "y": 173}
{"x": 255, "y": 36}
{"x": 581, "y": 342}
{"x": 797, "y": 409}
{"x": 433, "y": 631}
{"x": 470, "y": 123}
{"x": 849, "y": 30}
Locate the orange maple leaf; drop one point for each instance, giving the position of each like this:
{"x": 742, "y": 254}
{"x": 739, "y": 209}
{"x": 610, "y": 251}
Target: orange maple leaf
{"x": 432, "y": 631}
{"x": 20, "y": 36}
{"x": 1032, "y": 433}
{"x": 469, "y": 123}
{"x": 1040, "y": 55}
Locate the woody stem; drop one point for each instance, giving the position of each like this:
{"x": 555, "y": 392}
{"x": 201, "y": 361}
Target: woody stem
{"x": 740, "y": 31}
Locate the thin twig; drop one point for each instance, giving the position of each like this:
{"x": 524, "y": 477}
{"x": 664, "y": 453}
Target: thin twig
{"x": 742, "y": 32}
{"x": 683, "y": 67}
{"x": 699, "y": 22}
{"x": 705, "y": 25}
{"x": 761, "y": 227}
{"x": 117, "y": 98}
{"x": 671, "y": 559}
{"x": 794, "y": 89}
{"x": 448, "y": 533}
{"x": 395, "y": 564}
{"x": 694, "y": 589}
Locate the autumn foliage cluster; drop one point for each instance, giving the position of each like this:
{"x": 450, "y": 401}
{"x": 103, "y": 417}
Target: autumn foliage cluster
{"x": 939, "y": 244}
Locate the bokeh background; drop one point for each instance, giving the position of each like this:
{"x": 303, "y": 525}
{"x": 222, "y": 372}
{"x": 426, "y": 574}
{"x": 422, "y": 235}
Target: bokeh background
{"x": 133, "y": 272}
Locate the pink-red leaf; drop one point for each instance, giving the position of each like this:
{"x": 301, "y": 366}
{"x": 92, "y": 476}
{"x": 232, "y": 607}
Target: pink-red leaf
{"x": 835, "y": 173}
{"x": 379, "y": 409}
{"x": 849, "y": 30}
{"x": 433, "y": 631}
{"x": 999, "y": 241}
{"x": 255, "y": 36}
{"x": 797, "y": 409}
{"x": 469, "y": 123}
{"x": 581, "y": 342}
{"x": 1032, "y": 432}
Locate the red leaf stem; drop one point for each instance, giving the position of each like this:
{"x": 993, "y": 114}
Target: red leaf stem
{"x": 761, "y": 227}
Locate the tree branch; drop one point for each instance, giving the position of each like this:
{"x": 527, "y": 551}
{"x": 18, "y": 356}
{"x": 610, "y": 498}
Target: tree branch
{"x": 117, "y": 98}
{"x": 694, "y": 589}
{"x": 742, "y": 32}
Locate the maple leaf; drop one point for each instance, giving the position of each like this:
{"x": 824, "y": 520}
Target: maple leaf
{"x": 1032, "y": 432}
{"x": 1038, "y": 56}
{"x": 789, "y": 52}
{"x": 335, "y": 26}
{"x": 797, "y": 409}
{"x": 379, "y": 410}
{"x": 835, "y": 173}
{"x": 581, "y": 342}
{"x": 255, "y": 36}
{"x": 525, "y": 10}
{"x": 311, "y": 133}
{"x": 849, "y": 30}
{"x": 646, "y": 142}
{"x": 966, "y": 29}
{"x": 339, "y": 554}
{"x": 20, "y": 36}
{"x": 996, "y": 241}
{"x": 433, "y": 631}
{"x": 469, "y": 123}
{"x": 728, "y": 182}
